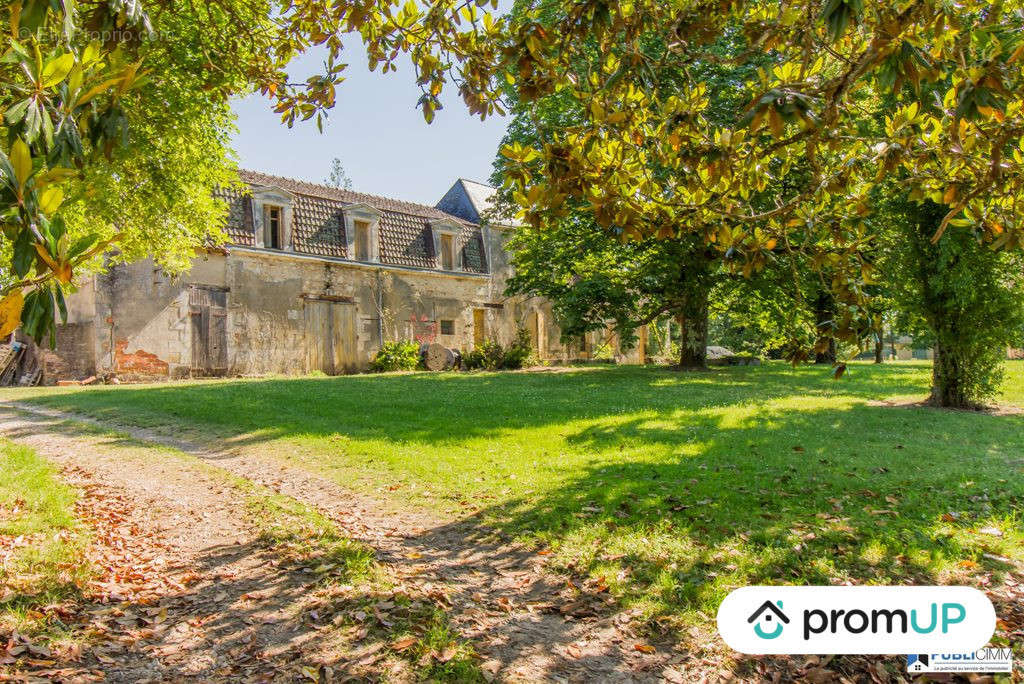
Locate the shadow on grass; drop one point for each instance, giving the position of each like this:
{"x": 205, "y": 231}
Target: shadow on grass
{"x": 775, "y": 493}
{"x": 860, "y": 494}
{"x": 434, "y": 409}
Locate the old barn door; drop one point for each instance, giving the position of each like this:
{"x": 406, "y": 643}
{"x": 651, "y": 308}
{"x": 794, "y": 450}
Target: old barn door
{"x": 331, "y": 336}
{"x": 208, "y": 311}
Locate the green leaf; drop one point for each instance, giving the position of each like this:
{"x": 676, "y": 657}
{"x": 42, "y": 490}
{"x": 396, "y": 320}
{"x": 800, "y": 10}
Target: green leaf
{"x": 57, "y": 69}
{"x": 17, "y": 112}
{"x": 24, "y": 254}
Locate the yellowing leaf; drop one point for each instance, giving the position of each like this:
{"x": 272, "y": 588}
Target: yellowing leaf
{"x": 776, "y": 123}
{"x": 50, "y": 200}
{"x": 97, "y": 89}
{"x": 10, "y": 312}
{"x": 21, "y": 160}
{"x": 62, "y": 270}
{"x": 57, "y": 69}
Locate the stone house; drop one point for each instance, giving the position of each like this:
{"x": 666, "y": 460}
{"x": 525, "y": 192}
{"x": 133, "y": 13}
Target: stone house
{"x": 313, "y": 278}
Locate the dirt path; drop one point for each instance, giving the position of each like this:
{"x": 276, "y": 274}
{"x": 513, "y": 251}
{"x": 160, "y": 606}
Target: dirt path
{"x": 207, "y": 600}
{"x": 527, "y": 624}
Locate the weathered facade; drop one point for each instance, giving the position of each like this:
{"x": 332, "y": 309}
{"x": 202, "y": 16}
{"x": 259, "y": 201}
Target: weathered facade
{"x": 313, "y": 279}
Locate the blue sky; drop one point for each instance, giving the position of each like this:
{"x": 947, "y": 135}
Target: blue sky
{"x": 375, "y": 129}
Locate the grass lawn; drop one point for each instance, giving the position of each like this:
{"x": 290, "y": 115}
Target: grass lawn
{"x": 41, "y": 545}
{"x": 673, "y": 487}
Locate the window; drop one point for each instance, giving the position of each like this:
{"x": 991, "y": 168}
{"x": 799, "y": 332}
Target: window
{"x": 447, "y": 327}
{"x": 275, "y": 226}
{"x": 448, "y": 252}
{"x": 362, "y": 241}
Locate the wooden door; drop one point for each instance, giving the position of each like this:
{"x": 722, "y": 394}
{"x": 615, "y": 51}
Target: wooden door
{"x": 209, "y": 316}
{"x": 479, "y": 327}
{"x": 331, "y": 343}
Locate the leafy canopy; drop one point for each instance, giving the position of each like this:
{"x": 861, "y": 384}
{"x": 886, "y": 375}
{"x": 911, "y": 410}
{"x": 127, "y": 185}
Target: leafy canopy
{"x": 798, "y": 167}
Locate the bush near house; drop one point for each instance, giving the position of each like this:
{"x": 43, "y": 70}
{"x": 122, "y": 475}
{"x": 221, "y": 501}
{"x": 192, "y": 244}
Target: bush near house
{"x": 491, "y": 355}
{"x": 403, "y": 355}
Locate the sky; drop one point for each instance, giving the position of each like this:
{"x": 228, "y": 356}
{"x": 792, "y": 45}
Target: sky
{"x": 378, "y": 133}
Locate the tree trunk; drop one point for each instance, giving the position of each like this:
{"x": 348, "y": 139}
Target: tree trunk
{"x": 693, "y": 326}
{"x": 879, "y": 348}
{"x": 823, "y": 316}
{"x": 947, "y": 389}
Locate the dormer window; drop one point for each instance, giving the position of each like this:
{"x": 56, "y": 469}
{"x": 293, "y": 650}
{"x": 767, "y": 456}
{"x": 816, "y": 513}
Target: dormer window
{"x": 362, "y": 228}
{"x": 272, "y": 211}
{"x": 448, "y": 252}
{"x": 446, "y": 245}
{"x": 275, "y": 228}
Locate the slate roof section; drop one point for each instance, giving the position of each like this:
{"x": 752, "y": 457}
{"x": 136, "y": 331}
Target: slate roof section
{"x": 474, "y": 202}
{"x": 318, "y": 228}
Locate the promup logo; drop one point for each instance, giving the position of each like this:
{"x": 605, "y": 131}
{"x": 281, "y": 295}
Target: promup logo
{"x": 765, "y": 616}
{"x": 868, "y": 620}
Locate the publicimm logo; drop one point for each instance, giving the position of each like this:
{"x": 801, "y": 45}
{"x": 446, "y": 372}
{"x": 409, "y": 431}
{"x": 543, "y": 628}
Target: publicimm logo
{"x": 867, "y": 620}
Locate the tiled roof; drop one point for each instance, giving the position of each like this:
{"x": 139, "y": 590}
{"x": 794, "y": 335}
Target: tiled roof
{"x": 344, "y": 196}
{"x": 318, "y": 227}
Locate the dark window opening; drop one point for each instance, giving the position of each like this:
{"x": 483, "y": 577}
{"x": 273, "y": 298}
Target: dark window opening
{"x": 447, "y": 327}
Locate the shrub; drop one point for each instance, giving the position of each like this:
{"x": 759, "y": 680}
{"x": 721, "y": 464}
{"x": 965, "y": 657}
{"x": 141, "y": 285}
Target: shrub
{"x": 396, "y": 356}
{"x": 519, "y": 351}
{"x": 491, "y": 355}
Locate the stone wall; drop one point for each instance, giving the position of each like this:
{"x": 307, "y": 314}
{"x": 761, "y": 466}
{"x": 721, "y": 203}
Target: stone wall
{"x": 137, "y": 322}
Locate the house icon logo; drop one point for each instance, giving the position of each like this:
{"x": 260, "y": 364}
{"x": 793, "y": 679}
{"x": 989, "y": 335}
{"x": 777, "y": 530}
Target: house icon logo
{"x": 768, "y": 620}
{"x": 917, "y": 663}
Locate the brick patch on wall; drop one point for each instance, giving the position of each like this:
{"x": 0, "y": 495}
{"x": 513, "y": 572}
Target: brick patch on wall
{"x": 141, "y": 362}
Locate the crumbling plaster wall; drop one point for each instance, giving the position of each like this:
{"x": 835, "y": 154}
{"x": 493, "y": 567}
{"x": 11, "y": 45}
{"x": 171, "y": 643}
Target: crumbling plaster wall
{"x": 135, "y": 320}
{"x": 141, "y": 317}
{"x": 268, "y": 291}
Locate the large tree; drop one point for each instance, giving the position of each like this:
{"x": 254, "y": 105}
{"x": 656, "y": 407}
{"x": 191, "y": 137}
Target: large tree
{"x": 645, "y": 156}
{"x": 594, "y": 276}
{"x": 966, "y": 298}
{"x": 594, "y": 280}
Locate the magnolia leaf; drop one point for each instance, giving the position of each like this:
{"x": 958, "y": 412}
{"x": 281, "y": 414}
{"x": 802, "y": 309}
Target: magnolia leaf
{"x": 54, "y": 175}
{"x": 10, "y": 312}
{"x": 62, "y": 270}
{"x": 98, "y": 89}
{"x": 21, "y": 160}
{"x": 50, "y": 200}
{"x": 56, "y": 70}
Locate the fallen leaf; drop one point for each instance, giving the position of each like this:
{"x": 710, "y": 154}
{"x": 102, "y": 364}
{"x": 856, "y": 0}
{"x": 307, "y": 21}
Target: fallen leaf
{"x": 644, "y": 648}
{"x": 402, "y": 644}
{"x": 447, "y": 654}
